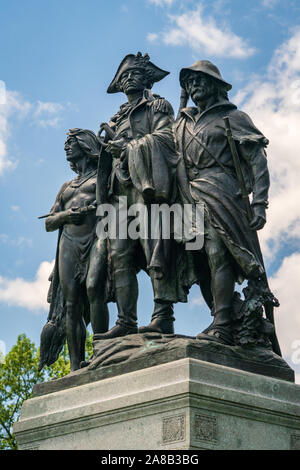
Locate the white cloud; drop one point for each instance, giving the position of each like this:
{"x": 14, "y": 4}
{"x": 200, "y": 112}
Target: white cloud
{"x": 152, "y": 37}
{"x": 39, "y": 162}
{"x": 204, "y": 36}
{"x": 13, "y": 105}
{"x": 285, "y": 285}
{"x": 54, "y": 122}
{"x": 196, "y": 301}
{"x": 2, "y": 92}
{"x": 22, "y": 241}
{"x": 4, "y": 238}
{"x": 221, "y": 6}
{"x": 47, "y": 114}
{"x": 162, "y": 3}
{"x": 18, "y": 242}
{"x": 48, "y": 108}
{"x": 2, "y": 351}
{"x": 273, "y": 102}
{"x": 269, "y": 3}
{"x": 31, "y": 295}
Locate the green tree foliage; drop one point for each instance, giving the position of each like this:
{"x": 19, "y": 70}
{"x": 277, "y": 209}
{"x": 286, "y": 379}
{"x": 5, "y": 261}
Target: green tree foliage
{"x": 18, "y": 374}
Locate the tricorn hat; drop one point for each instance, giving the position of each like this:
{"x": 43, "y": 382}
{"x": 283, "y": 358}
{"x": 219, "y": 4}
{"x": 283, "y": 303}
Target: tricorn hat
{"x": 206, "y": 67}
{"x": 137, "y": 61}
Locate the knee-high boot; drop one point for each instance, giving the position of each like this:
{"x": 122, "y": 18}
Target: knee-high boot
{"x": 126, "y": 293}
{"x": 162, "y": 320}
{"x": 222, "y": 289}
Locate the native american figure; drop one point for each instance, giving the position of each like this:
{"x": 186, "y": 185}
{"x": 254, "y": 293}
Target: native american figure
{"x": 78, "y": 292}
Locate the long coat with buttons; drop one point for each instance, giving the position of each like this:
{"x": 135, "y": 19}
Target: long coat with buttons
{"x": 150, "y": 154}
{"x": 149, "y": 159}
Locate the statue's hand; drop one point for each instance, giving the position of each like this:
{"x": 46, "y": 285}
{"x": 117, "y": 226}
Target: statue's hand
{"x": 259, "y": 217}
{"x": 73, "y": 217}
{"x": 115, "y": 147}
{"x": 257, "y": 223}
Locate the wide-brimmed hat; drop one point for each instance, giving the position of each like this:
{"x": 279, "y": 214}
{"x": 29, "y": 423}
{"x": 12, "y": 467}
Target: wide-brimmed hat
{"x": 137, "y": 61}
{"x": 206, "y": 67}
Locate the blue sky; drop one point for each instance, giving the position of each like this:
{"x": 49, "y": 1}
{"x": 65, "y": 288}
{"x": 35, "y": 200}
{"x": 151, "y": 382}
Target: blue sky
{"x": 57, "y": 60}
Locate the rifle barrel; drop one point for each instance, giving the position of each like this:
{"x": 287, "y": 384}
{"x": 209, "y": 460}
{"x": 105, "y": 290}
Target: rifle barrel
{"x": 269, "y": 308}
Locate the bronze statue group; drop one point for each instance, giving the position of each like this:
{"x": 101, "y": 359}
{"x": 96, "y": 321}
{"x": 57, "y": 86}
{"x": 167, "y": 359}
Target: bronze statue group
{"x": 147, "y": 156}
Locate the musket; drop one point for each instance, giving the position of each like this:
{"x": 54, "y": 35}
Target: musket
{"x": 271, "y": 302}
{"x": 184, "y": 98}
{"x": 108, "y": 130}
{"x": 104, "y": 163}
{"x": 78, "y": 210}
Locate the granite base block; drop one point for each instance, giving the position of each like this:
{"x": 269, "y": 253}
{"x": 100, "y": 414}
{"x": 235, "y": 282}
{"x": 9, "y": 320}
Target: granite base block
{"x": 184, "y": 404}
{"x": 134, "y": 352}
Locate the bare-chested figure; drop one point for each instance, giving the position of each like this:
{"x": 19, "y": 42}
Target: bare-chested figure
{"x": 82, "y": 257}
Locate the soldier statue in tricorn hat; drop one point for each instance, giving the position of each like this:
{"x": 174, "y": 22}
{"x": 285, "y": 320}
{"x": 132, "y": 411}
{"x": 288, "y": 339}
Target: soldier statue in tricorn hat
{"x": 144, "y": 164}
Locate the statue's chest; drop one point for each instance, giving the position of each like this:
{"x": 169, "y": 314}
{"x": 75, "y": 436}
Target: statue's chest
{"x": 209, "y": 132}
{"x": 123, "y": 129}
{"x": 201, "y": 139}
{"x": 134, "y": 125}
{"x": 76, "y": 191}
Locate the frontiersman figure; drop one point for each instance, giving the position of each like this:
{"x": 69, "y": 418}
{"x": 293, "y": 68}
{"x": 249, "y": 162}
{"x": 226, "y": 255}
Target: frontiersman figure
{"x": 230, "y": 242}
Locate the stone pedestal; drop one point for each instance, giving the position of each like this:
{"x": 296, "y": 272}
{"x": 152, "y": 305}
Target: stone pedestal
{"x": 183, "y": 404}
